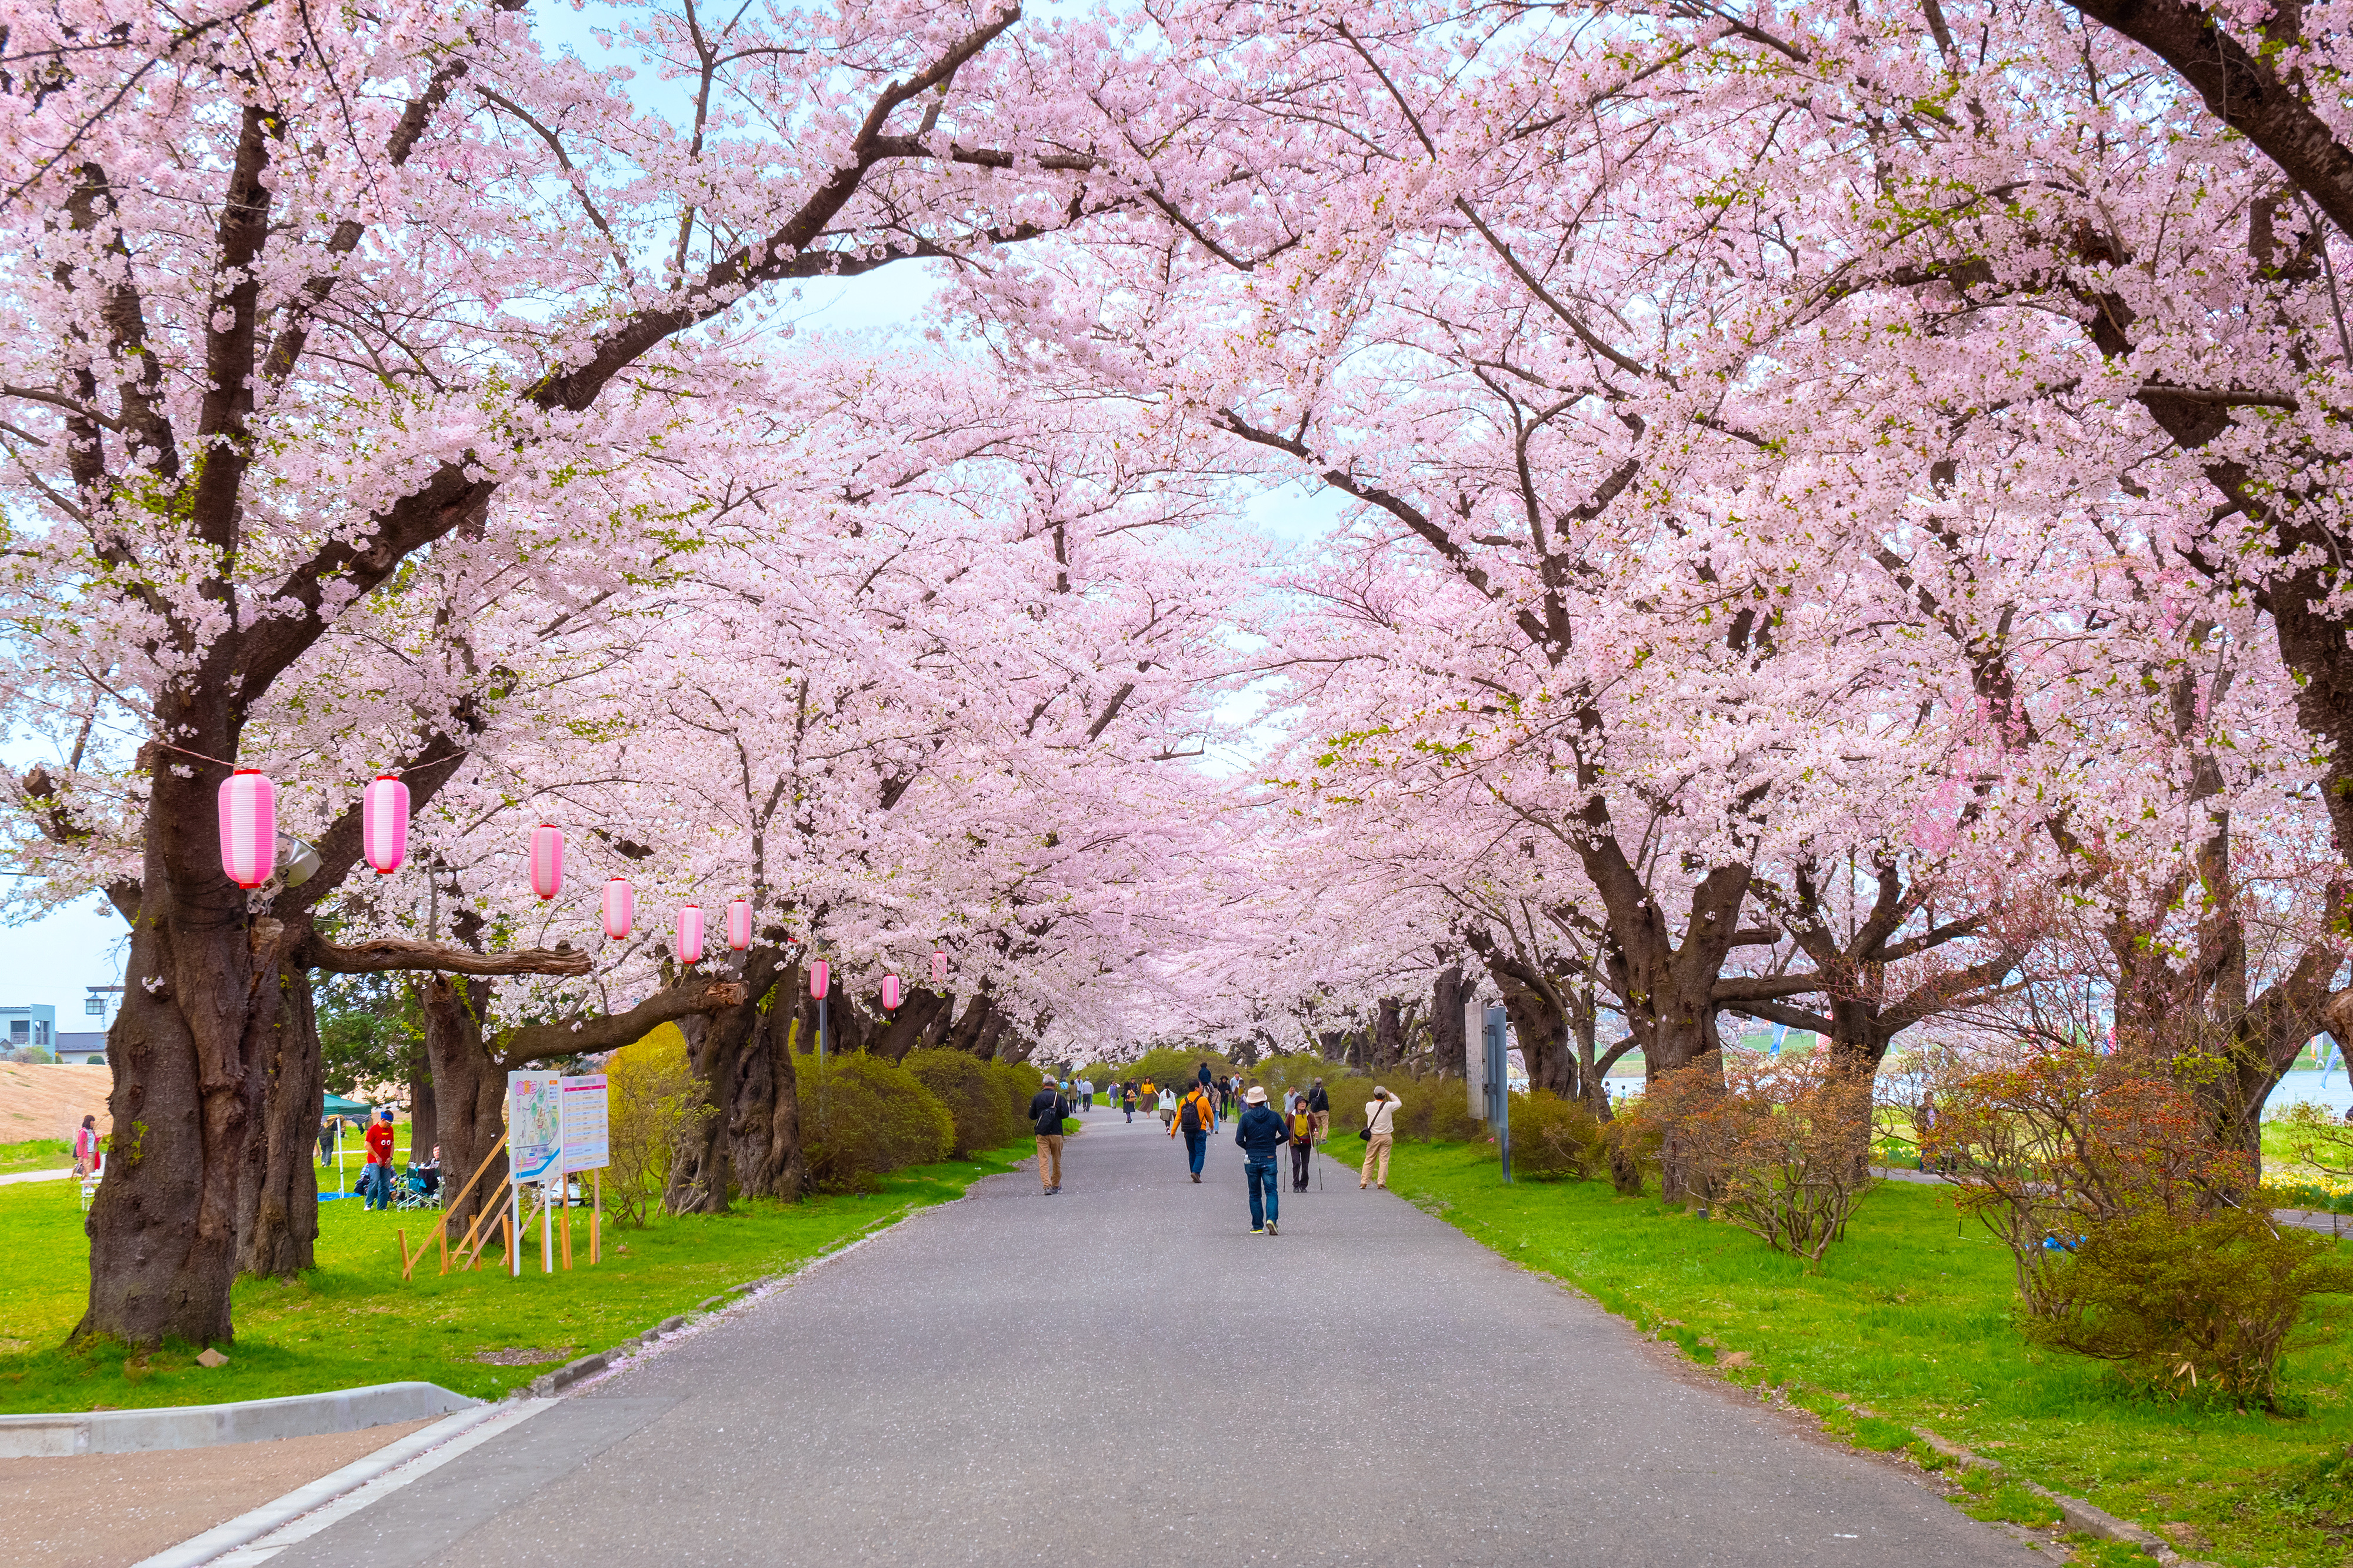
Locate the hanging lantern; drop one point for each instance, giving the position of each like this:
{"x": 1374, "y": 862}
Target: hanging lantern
{"x": 820, "y": 976}
{"x": 739, "y": 925}
{"x": 889, "y": 993}
{"x": 248, "y": 827}
{"x": 547, "y": 860}
{"x": 689, "y": 934}
{"x": 383, "y": 824}
{"x": 939, "y": 966}
{"x": 621, "y": 907}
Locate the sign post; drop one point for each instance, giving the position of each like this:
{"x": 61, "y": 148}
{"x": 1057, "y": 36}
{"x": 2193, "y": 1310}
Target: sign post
{"x": 587, "y": 1146}
{"x": 534, "y": 1149}
{"x": 1496, "y": 1037}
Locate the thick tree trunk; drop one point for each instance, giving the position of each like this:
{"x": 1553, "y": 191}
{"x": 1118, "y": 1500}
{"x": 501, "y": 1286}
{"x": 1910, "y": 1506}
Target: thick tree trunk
{"x": 187, "y": 1091}
{"x": 966, "y": 1034}
{"x": 701, "y": 1174}
{"x": 278, "y": 1205}
{"x": 763, "y": 1119}
{"x": 1388, "y": 1034}
{"x": 1447, "y": 1000}
{"x": 469, "y": 1096}
{"x": 915, "y": 1019}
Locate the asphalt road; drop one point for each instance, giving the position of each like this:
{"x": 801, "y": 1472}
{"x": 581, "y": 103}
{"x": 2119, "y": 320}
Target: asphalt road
{"x": 1123, "y": 1375}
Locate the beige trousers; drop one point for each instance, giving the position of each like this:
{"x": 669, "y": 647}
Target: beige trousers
{"x": 1377, "y": 1148}
{"x": 1049, "y": 1159}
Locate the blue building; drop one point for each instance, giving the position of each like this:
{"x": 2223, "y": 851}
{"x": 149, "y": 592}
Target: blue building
{"x": 32, "y": 1026}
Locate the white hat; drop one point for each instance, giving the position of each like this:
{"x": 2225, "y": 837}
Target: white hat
{"x": 1256, "y": 1095}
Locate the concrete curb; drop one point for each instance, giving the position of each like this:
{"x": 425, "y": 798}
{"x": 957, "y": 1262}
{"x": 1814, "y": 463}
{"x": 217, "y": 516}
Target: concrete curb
{"x": 2077, "y": 1513}
{"x": 272, "y": 1517}
{"x": 203, "y": 1426}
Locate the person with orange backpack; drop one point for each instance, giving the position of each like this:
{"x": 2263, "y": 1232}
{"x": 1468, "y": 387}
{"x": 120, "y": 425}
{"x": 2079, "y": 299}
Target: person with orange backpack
{"x": 1195, "y": 1116}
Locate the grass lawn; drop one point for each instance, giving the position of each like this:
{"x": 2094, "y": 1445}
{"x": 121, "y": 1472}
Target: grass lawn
{"x": 38, "y": 1155}
{"x": 352, "y": 1320}
{"x": 1909, "y": 1319}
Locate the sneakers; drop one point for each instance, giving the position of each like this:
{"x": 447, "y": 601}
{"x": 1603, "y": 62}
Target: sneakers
{"x": 1270, "y": 1227}
{"x": 1257, "y": 1233}
{"x": 1197, "y": 1177}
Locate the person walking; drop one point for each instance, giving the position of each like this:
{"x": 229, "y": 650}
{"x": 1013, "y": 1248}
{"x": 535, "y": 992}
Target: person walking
{"x": 1127, "y": 1101}
{"x": 1047, "y": 1109}
{"x": 1195, "y": 1118}
{"x": 376, "y": 1176}
{"x": 85, "y": 1146}
{"x": 1300, "y": 1124}
{"x": 1380, "y": 1128}
{"x": 1261, "y": 1132}
{"x": 1166, "y": 1106}
{"x": 1319, "y": 1104}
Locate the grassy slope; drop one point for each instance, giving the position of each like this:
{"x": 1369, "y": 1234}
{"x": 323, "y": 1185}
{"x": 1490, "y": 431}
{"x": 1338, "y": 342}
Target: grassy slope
{"x": 1910, "y": 1319}
{"x": 38, "y": 1155}
{"x": 352, "y": 1321}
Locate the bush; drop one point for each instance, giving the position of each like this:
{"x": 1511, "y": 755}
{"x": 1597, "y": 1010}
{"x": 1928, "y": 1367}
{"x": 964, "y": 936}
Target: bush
{"x": 1780, "y": 1145}
{"x": 974, "y": 1095}
{"x": 2207, "y": 1307}
{"x": 1554, "y": 1139}
{"x": 862, "y": 1116}
{"x": 652, "y": 1103}
{"x": 1018, "y": 1084}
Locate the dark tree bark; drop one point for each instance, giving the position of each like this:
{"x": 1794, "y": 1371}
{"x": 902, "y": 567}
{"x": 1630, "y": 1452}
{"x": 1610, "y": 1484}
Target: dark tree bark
{"x": 1537, "y": 1005}
{"x": 1388, "y": 1034}
{"x": 1447, "y": 1000}
{"x": 704, "y": 1174}
{"x": 469, "y": 1095}
{"x": 917, "y": 1016}
{"x": 277, "y": 1208}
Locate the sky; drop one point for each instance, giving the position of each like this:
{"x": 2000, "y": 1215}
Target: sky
{"x": 55, "y": 959}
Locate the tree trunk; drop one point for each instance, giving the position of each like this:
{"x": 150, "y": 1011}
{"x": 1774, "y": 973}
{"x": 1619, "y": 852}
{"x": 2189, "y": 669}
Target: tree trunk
{"x": 1447, "y": 1000}
{"x": 763, "y": 1119}
{"x": 966, "y": 1034}
{"x": 423, "y": 1126}
{"x": 917, "y": 1013}
{"x": 1388, "y": 1037}
{"x": 469, "y": 1095}
{"x": 187, "y": 1086}
{"x": 699, "y": 1174}
{"x": 278, "y": 1205}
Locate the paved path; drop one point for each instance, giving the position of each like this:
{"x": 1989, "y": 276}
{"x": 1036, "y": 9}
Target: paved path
{"x": 1123, "y": 1375}
{"x": 36, "y": 1176}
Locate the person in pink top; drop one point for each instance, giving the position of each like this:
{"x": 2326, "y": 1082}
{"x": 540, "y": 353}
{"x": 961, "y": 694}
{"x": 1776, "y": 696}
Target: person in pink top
{"x": 86, "y": 1146}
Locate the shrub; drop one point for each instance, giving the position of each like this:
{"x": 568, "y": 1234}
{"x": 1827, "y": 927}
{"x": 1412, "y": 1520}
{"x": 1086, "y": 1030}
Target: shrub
{"x": 2066, "y": 1143}
{"x": 1553, "y": 1139}
{"x": 2315, "y": 1138}
{"x": 1777, "y": 1145}
{"x": 1018, "y": 1082}
{"x": 974, "y": 1098}
{"x": 862, "y": 1116}
{"x": 652, "y": 1103}
{"x": 2204, "y": 1307}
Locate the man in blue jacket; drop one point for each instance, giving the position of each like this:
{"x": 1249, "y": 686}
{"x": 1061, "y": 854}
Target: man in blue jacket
{"x": 1261, "y": 1132}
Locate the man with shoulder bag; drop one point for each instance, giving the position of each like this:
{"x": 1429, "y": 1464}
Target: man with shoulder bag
{"x": 1047, "y": 1109}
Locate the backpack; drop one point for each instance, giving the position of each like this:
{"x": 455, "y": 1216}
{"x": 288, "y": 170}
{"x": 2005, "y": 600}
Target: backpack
{"x": 1191, "y": 1117}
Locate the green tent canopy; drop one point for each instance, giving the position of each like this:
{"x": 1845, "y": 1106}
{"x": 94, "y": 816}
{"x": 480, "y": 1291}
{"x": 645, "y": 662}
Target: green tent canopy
{"x": 337, "y": 1105}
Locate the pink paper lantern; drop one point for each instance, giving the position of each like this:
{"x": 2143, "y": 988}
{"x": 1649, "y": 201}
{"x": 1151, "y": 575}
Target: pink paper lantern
{"x": 383, "y": 824}
{"x": 739, "y": 924}
{"x": 889, "y": 993}
{"x": 821, "y": 979}
{"x": 547, "y": 860}
{"x": 939, "y": 966}
{"x": 621, "y": 907}
{"x": 248, "y": 827}
{"x": 689, "y": 934}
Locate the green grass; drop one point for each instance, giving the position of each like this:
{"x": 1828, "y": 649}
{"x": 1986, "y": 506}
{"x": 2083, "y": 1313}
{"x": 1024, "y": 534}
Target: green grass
{"x": 1909, "y": 1323}
{"x": 352, "y": 1320}
{"x": 38, "y": 1155}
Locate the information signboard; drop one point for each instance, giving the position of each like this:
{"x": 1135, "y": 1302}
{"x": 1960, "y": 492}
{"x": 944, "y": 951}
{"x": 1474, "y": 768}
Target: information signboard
{"x": 585, "y": 1147}
{"x": 534, "y": 1125}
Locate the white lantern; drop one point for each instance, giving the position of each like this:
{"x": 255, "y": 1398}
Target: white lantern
{"x": 383, "y": 824}
{"x": 939, "y": 966}
{"x": 621, "y": 907}
{"x": 689, "y": 934}
{"x": 248, "y": 827}
{"x": 547, "y": 860}
{"x": 739, "y": 925}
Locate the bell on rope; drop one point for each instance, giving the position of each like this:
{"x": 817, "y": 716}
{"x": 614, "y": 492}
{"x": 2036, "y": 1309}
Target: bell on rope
{"x": 820, "y": 977}
{"x": 621, "y": 907}
{"x": 689, "y": 934}
{"x": 739, "y": 924}
{"x": 547, "y": 860}
{"x": 889, "y": 993}
{"x": 248, "y": 827}
{"x": 383, "y": 824}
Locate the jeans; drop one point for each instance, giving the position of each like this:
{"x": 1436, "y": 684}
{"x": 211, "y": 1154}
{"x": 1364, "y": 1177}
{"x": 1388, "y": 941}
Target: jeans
{"x": 1264, "y": 1190}
{"x": 1197, "y": 1149}
{"x": 376, "y": 1185}
{"x": 1299, "y": 1153}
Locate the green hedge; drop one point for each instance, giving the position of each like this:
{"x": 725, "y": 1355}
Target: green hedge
{"x": 974, "y": 1095}
{"x": 863, "y": 1117}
